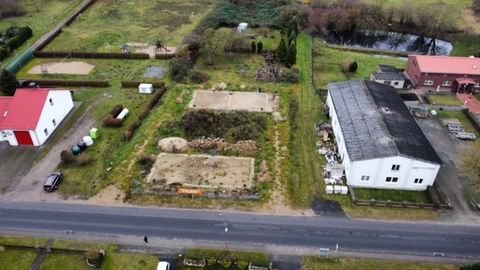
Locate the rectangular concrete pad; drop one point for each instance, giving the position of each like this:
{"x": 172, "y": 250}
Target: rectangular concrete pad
{"x": 203, "y": 171}
{"x": 234, "y": 101}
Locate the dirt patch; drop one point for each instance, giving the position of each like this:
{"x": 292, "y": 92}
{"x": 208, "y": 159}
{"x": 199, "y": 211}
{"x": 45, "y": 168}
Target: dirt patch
{"x": 236, "y": 101}
{"x": 203, "y": 171}
{"x": 471, "y": 21}
{"x": 78, "y": 68}
{"x": 151, "y": 51}
{"x": 108, "y": 195}
{"x": 173, "y": 144}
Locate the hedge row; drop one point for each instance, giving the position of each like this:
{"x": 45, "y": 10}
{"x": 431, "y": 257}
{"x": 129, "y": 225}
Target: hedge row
{"x": 134, "y": 84}
{"x": 91, "y": 83}
{"x": 49, "y": 39}
{"x": 164, "y": 56}
{"x": 135, "y": 125}
{"x": 90, "y": 55}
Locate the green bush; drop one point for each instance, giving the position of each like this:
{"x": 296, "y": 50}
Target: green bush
{"x": 198, "y": 77}
{"x": 233, "y": 126}
{"x": 179, "y": 68}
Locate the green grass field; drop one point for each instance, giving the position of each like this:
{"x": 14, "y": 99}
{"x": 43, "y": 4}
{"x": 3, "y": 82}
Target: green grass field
{"x": 327, "y": 64}
{"x": 42, "y": 16}
{"x": 311, "y": 263}
{"x": 16, "y": 259}
{"x": 450, "y": 100}
{"x": 460, "y": 4}
{"x": 111, "y": 24}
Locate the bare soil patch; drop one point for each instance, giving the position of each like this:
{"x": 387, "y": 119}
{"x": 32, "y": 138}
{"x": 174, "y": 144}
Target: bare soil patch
{"x": 203, "y": 171}
{"x": 173, "y": 144}
{"x": 235, "y": 101}
{"x": 151, "y": 50}
{"x": 78, "y": 68}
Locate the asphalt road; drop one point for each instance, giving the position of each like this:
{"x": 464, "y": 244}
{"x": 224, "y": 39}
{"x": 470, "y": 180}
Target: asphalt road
{"x": 418, "y": 239}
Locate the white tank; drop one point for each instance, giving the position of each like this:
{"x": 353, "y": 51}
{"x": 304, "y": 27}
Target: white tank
{"x": 88, "y": 140}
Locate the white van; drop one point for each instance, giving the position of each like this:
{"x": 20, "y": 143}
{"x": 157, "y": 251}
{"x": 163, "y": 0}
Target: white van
{"x": 163, "y": 266}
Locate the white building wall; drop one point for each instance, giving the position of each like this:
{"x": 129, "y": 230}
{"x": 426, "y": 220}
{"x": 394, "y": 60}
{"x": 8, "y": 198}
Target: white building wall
{"x": 379, "y": 169}
{"x": 62, "y": 104}
{"x": 337, "y": 130}
{"x": 9, "y": 136}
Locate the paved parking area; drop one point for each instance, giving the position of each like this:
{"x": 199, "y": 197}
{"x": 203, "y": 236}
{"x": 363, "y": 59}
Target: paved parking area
{"x": 15, "y": 162}
{"x": 450, "y": 178}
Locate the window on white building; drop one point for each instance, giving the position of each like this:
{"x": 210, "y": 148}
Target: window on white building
{"x": 365, "y": 178}
{"x": 418, "y": 181}
{"x": 447, "y": 83}
{"x": 46, "y": 132}
{"x": 391, "y": 180}
{"x": 395, "y": 167}
{"x": 54, "y": 122}
{"x": 51, "y": 101}
{"x": 428, "y": 82}
{"x": 395, "y": 83}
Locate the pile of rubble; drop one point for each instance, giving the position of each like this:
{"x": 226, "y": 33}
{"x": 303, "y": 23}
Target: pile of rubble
{"x": 243, "y": 148}
{"x": 269, "y": 72}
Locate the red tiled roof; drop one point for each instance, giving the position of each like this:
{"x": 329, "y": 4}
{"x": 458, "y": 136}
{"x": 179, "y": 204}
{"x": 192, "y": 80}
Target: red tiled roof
{"x": 448, "y": 64}
{"x": 22, "y": 111}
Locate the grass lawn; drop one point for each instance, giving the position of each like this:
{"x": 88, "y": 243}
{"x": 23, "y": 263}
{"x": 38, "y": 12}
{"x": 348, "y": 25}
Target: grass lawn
{"x": 17, "y": 259}
{"x": 22, "y": 241}
{"x": 462, "y": 117}
{"x": 42, "y": 15}
{"x": 312, "y": 263}
{"x": 327, "y": 64}
{"x": 456, "y": 3}
{"x": 105, "y": 69}
{"x": 450, "y": 100}
{"x": 466, "y": 45}
{"x": 111, "y": 24}
{"x": 129, "y": 261}
{"x": 392, "y": 195}
{"x": 65, "y": 261}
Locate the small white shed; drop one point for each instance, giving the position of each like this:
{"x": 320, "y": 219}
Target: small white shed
{"x": 242, "y": 27}
{"x": 145, "y": 88}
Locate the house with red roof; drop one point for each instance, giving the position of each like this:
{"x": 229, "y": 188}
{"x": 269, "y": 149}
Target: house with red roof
{"x": 32, "y": 115}
{"x": 457, "y": 74}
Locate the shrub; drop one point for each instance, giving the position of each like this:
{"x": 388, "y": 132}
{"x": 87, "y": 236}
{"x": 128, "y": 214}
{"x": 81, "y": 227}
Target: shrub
{"x": 236, "y": 44}
{"x": 111, "y": 121}
{"x": 198, "y": 77}
{"x": 116, "y": 110}
{"x": 83, "y": 159}
{"x": 259, "y": 47}
{"x": 179, "y": 68}
{"x": 67, "y": 157}
{"x": 289, "y": 76}
{"x": 87, "y": 83}
{"x": 8, "y": 82}
{"x": 254, "y": 47}
{"x": 146, "y": 161}
{"x": 353, "y": 66}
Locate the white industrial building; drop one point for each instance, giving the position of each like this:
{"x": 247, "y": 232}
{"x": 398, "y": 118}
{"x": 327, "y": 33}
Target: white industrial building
{"x": 32, "y": 115}
{"x": 379, "y": 141}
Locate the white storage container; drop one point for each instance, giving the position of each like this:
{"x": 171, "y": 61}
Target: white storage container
{"x": 329, "y": 189}
{"x": 145, "y": 88}
{"x": 123, "y": 114}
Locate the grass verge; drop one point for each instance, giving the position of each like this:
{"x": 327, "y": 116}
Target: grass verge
{"x": 312, "y": 263}
{"x": 17, "y": 259}
{"x": 392, "y": 195}
{"x": 450, "y": 100}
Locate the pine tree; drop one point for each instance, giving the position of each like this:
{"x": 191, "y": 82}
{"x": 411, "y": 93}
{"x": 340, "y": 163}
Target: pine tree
{"x": 291, "y": 55}
{"x": 292, "y": 31}
{"x": 254, "y": 47}
{"x": 259, "y": 47}
{"x": 8, "y": 82}
{"x": 282, "y": 51}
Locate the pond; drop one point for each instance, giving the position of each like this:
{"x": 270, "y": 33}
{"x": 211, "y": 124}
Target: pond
{"x": 395, "y": 41}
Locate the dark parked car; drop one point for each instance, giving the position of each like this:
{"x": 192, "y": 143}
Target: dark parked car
{"x": 53, "y": 180}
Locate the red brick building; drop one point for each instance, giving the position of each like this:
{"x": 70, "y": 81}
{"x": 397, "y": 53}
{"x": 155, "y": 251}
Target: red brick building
{"x": 457, "y": 74}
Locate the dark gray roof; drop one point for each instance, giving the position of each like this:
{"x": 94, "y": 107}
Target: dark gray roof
{"x": 376, "y": 123}
{"x": 389, "y": 76}
{"x": 387, "y": 68}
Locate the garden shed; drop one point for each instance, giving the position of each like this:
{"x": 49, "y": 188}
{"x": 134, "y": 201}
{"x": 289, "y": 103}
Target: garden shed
{"x": 145, "y": 88}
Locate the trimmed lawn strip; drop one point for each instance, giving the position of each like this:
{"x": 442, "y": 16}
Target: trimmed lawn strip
{"x": 17, "y": 259}
{"x": 129, "y": 261}
{"x": 64, "y": 261}
{"x": 450, "y": 100}
{"x": 392, "y": 195}
{"x": 22, "y": 241}
{"x": 314, "y": 263}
